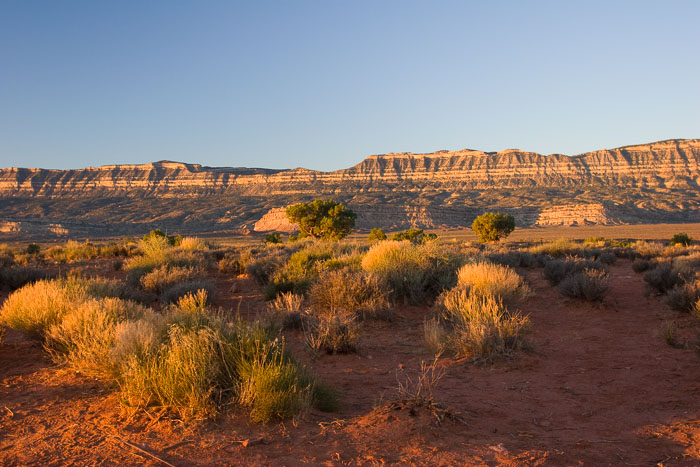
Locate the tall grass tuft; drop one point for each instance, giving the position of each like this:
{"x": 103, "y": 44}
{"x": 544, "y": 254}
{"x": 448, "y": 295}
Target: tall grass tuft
{"x": 352, "y": 291}
{"x": 492, "y": 279}
{"x": 415, "y": 273}
{"x": 85, "y": 337}
{"x": 476, "y": 326}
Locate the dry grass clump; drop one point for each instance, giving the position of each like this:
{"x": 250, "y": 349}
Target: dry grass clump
{"x": 589, "y": 284}
{"x": 15, "y": 277}
{"x": 337, "y": 331}
{"x": 415, "y": 273}
{"x": 475, "y": 326}
{"x": 557, "y": 248}
{"x": 286, "y": 309}
{"x": 73, "y": 251}
{"x": 188, "y": 360}
{"x": 181, "y": 289}
{"x": 352, "y": 291}
{"x": 493, "y": 279}
{"x": 138, "y": 266}
{"x": 648, "y": 250}
{"x": 36, "y": 307}
{"x": 193, "y": 243}
{"x": 166, "y": 276}
{"x": 642, "y": 265}
{"x": 232, "y": 264}
{"x": 684, "y": 296}
{"x": 84, "y": 338}
{"x": 662, "y": 277}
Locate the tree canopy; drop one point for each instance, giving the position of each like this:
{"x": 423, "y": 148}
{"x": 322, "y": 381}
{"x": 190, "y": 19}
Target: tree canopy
{"x": 326, "y": 219}
{"x": 492, "y": 226}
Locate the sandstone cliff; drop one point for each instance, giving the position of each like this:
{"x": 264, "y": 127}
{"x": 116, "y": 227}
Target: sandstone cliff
{"x": 642, "y": 183}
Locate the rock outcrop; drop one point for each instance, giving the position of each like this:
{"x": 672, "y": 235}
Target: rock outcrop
{"x": 656, "y": 182}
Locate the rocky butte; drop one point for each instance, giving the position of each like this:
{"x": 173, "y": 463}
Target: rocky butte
{"x": 646, "y": 183}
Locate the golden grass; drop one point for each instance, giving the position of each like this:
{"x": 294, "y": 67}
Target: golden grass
{"x": 492, "y": 279}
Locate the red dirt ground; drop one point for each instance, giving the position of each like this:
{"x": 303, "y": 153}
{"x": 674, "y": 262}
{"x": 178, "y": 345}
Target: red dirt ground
{"x": 599, "y": 387}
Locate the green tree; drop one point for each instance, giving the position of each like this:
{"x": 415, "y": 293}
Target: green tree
{"x": 326, "y": 219}
{"x": 273, "y": 238}
{"x": 376, "y": 235}
{"x": 682, "y": 239}
{"x": 492, "y": 226}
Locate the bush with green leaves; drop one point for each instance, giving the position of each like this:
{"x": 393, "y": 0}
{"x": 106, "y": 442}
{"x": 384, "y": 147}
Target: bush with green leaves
{"x": 33, "y": 249}
{"x": 413, "y": 236}
{"x": 273, "y": 238}
{"x": 682, "y": 239}
{"x": 322, "y": 219}
{"x": 493, "y": 226}
{"x": 376, "y": 235}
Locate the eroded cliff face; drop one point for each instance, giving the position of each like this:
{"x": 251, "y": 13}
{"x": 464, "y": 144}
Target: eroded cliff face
{"x": 643, "y": 183}
{"x": 669, "y": 164}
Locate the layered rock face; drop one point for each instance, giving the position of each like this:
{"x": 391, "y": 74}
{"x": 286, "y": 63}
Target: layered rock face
{"x": 656, "y": 182}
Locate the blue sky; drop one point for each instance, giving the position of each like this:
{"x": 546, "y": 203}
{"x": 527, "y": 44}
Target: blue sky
{"x": 322, "y": 84}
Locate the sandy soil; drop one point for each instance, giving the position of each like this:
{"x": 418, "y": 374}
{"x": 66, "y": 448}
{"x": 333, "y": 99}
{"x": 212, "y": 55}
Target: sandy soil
{"x": 599, "y": 387}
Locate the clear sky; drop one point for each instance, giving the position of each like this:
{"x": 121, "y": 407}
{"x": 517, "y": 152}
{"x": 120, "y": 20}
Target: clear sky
{"x": 322, "y": 84}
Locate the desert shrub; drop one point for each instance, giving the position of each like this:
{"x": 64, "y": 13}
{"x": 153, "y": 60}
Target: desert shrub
{"x": 192, "y": 243}
{"x": 15, "y": 277}
{"x": 84, "y": 338}
{"x": 264, "y": 264}
{"x": 204, "y": 363}
{"x": 180, "y": 375}
{"x": 73, "y": 251}
{"x": 476, "y": 326}
{"x": 166, "y": 276}
{"x": 356, "y": 292}
{"x": 415, "y": 273}
{"x": 514, "y": 259}
{"x": 175, "y": 292}
{"x": 662, "y": 277}
{"x": 682, "y": 239}
{"x": 33, "y": 249}
{"x": 557, "y": 248}
{"x": 492, "y": 226}
{"x": 300, "y": 270}
{"x": 112, "y": 250}
{"x": 607, "y": 257}
{"x": 684, "y": 296}
{"x": 589, "y": 284}
{"x": 273, "y": 238}
{"x": 557, "y": 270}
{"x": 193, "y": 302}
{"x": 138, "y": 266}
{"x": 36, "y": 307}
{"x": 647, "y": 250}
{"x": 641, "y": 265}
{"x": 326, "y": 219}
{"x": 492, "y": 279}
{"x": 413, "y": 236}
{"x": 376, "y": 235}
{"x": 669, "y": 330}
{"x": 286, "y": 309}
{"x": 337, "y": 331}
